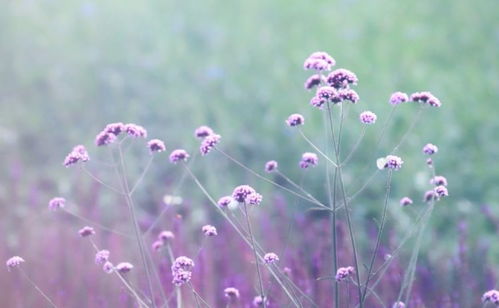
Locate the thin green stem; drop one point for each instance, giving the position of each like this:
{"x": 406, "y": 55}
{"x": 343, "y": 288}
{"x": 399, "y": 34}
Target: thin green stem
{"x": 178, "y": 291}
{"x": 45, "y": 296}
{"x": 141, "y": 177}
{"x": 316, "y": 148}
{"x": 100, "y": 181}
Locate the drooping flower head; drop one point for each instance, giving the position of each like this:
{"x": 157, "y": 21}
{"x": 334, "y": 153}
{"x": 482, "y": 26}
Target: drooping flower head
{"x": 124, "y": 267}
{"x": 259, "y": 301}
{"x": 203, "y": 131}
{"x": 271, "y": 166}
{"x": 178, "y": 155}
{"x": 57, "y": 203}
{"x": 313, "y": 81}
{"x": 491, "y": 296}
{"x": 438, "y": 180}
{"x": 231, "y": 293}
{"x": 104, "y": 138}
{"x": 393, "y": 162}
{"x": 270, "y": 258}
{"x": 102, "y": 256}
{"x": 209, "y": 143}
{"x": 209, "y": 230}
{"x": 241, "y": 192}
{"x": 14, "y": 262}
{"x": 157, "y": 245}
{"x": 398, "y": 98}
{"x": 319, "y": 61}
{"x": 86, "y": 231}
{"x": 78, "y": 154}
{"x": 156, "y": 146}
{"x": 295, "y": 120}
{"x": 343, "y": 273}
{"x": 135, "y": 131}
{"x": 225, "y": 201}
{"x": 405, "y": 201}
{"x": 308, "y": 160}
{"x": 341, "y": 78}
{"x": 253, "y": 199}
{"x": 430, "y": 149}
{"x": 368, "y": 117}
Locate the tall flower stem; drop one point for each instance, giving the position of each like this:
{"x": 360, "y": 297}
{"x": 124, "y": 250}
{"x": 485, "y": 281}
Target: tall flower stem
{"x": 45, "y": 296}
{"x": 178, "y": 292}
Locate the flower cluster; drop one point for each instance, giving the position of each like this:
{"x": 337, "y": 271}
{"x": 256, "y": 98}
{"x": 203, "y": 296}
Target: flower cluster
{"x": 313, "y": 81}
{"x": 319, "y": 61}
{"x": 270, "y": 258}
{"x": 308, "y": 160}
{"x": 135, "y": 131}
{"x": 430, "y": 149}
{"x": 240, "y": 193}
{"x": 203, "y": 131}
{"x": 271, "y": 166}
{"x": 209, "y": 230}
{"x": 491, "y": 296}
{"x": 57, "y": 203}
{"x": 405, "y": 201}
{"x": 86, "y": 231}
{"x": 225, "y": 201}
{"x": 368, "y": 117}
{"x": 231, "y": 293}
{"x": 392, "y": 162}
{"x": 398, "y": 305}
{"x": 398, "y": 98}
{"x": 209, "y": 143}
{"x": 78, "y": 154}
{"x": 260, "y": 301}
{"x": 178, "y": 155}
{"x": 253, "y": 199}
{"x": 102, "y": 256}
{"x": 343, "y": 273}
{"x": 295, "y": 120}
{"x": 182, "y": 270}
{"x": 13, "y": 262}
{"x": 156, "y": 145}
{"x": 425, "y": 98}
{"x": 163, "y": 238}
{"x": 124, "y": 267}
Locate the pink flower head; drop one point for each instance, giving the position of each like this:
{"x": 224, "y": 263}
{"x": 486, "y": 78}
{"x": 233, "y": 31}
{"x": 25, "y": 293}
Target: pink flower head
{"x": 78, "y": 154}
{"x": 135, "y": 131}
{"x": 341, "y": 78}
{"x": 115, "y": 128}
{"x": 271, "y": 166}
{"x": 429, "y": 196}
{"x": 178, "y": 155}
{"x": 225, "y": 201}
{"x": 102, "y": 256}
{"x": 270, "y": 258}
{"x": 491, "y": 296}
{"x": 295, "y": 120}
{"x": 393, "y": 162}
{"x": 425, "y": 98}
{"x": 438, "y": 180}
{"x": 157, "y": 245}
{"x": 344, "y": 272}
{"x": 309, "y": 160}
{"x": 253, "y": 199}
{"x": 181, "y": 277}
{"x": 166, "y": 236}
{"x": 156, "y": 145}
{"x": 368, "y": 117}
{"x": 14, "y": 262}
{"x": 86, "y": 231}
{"x": 231, "y": 293}
{"x": 209, "y": 230}
{"x": 398, "y": 305}
{"x": 57, "y": 203}
{"x": 104, "y": 138}
{"x": 203, "y": 131}
{"x": 348, "y": 95}
{"x": 319, "y": 61}
{"x": 209, "y": 143}
{"x": 108, "y": 267}
{"x": 124, "y": 267}
{"x": 313, "y": 81}
{"x": 241, "y": 192}
{"x": 398, "y": 98}
{"x": 430, "y": 149}
{"x": 405, "y": 201}
{"x": 259, "y": 301}
{"x": 441, "y": 191}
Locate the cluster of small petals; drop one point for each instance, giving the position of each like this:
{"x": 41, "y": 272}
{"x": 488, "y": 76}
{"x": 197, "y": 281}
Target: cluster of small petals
{"x": 104, "y": 138}
{"x": 309, "y": 160}
{"x": 136, "y": 131}
{"x": 181, "y": 270}
{"x": 398, "y": 305}
{"x": 426, "y": 98}
{"x": 203, "y": 131}
{"x": 108, "y": 267}
{"x": 271, "y": 166}
{"x": 102, "y": 256}
{"x": 57, "y": 203}
{"x": 348, "y": 95}
{"x": 260, "y": 301}
{"x": 224, "y": 202}
{"x": 253, "y": 199}
{"x": 86, "y": 231}
{"x": 343, "y": 273}
{"x": 124, "y": 267}
{"x": 313, "y": 81}
{"x": 209, "y": 230}
{"x": 156, "y": 145}
{"x": 429, "y": 196}
{"x": 231, "y": 293}
{"x": 78, "y": 154}
{"x": 319, "y": 61}
{"x": 295, "y": 120}
{"x": 166, "y": 236}
{"x": 341, "y": 78}
{"x": 441, "y": 191}
{"x": 317, "y": 102}
{"x": 241, "y": 192}
{"x": 178, "y": 155}
{"x": 157, "y": 245}
{"x": 368, "y": 117}
{"x": 405, "y": 201}
{"x": 491, "y": 296}
{"x": 115, "y": 128}
{"x": 323, "y": 56}
{"x": 270, "y": 258}
{"x": 13, "y": 262}
{"x": 183, "y": 263}
{"x": 393, "y": 162}
{"x": 327, "y": 93}
{"x": 398, "y": 98}
{"x": 181, "y": 277}
{"x": 438, "y": 180}
{"x": 209, "y": 143}
{"x": 430, "y": 149}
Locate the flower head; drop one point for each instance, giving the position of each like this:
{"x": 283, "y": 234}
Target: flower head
{"x": 102, "y": 256}
{"x": 209, "y": 143}
{"x": 398, "y": 305}
{"x": 86, "y": 231}
{"x": 319, "y": 61}
{"x": 405, "y": 201}
{"x": 398, "y": 98}
{"x": 156, "y": 145}
{"x": 271, "y": 166}
{"x": 429, "y": 196}
{"x": 308, "y": 159}
{"x": 368, "y": 117}
{"x": 166, "y": 236}
{"x": 104, "y": 138}
{"x": 225, "y": 201}
{"x": 295, "y": 120}
{"x": 178, "y": 155}
{"x": 203, "y": 131}
{"x": 441, "y": 191}
{"x": 438, "y": 180}
{"x": 393, "y": 162}
{"x": 241, "y": 192}
{"x": 259, "y": 301}
{"x": 341, "y": 78}
{"x": 181, "y": 277}
{"x": 328, "y": 94}
{"x": 253, "y": 199}
{"x": 78, "y": 154}
{"x": 124, "y": 267}
{"x": 57, "y": 203}
{"x": 13, "y": 262}
{"x": 231, "y": 293}
{"x": 343, "y": 273}
{"x": 318, "y": 102}
{"x": 183, "y": 263}
{"x": 136, "y": 131}
{"x": 270, "y": 258}
{"x": 181, "y": 270}
{"x": 314, "y": 81}
{"x": 430, "y": 149}
{"x": 425, "y": 98}
{"x": 115, "y": 128}
{"x": 157, "y": 245}
{"x": 108, "y": 267}
{"x": 209, "y": 230}
{"x": 491, "y": 296}
{"x": 348, "y": 95}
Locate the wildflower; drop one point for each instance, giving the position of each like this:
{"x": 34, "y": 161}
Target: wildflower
{"x": 430, "y": 149}
{"x": 104, "y": 138}
{"x": 405, "y": 201}
{"x": 398, "y": 98}
{"x": 491, "y": 296}
{"x": 57, "y": 203}
{"x": 398, "y": 305}
{"x": 341, "y": 78}
{"x": 438, "y": 180}
{"x": 253, "y": 199}
{"x": 86, "y": 231}
{"x": 179, "y": 155}
{"x": 295, "y": 120}
{"x": 181, "y": 270}
{"x": 203, "y": 131}
{"x": 209, "y": 143}
{"x": 308, "y": 159}
{"x": 156, "y": 145}
{"x": 319, "y": 61}
{"x": 157, "y": 245}
{"x": 115, "y": 128}
{"x": 259, "y": 301}
{"x": 287, "y": 271}
{"x": 318, "y": 102}
{"x": 241, "y": 192}
{"x": 124, "y": 267}
{"x": 327, "y": 93}
{"x": 183, "y": 263}
{"x": 108, "y": 267}
{"x": 209, "y": 230}
{"x": 393, "y": 162}
{"x": 135, "y": 130}
{"x": 78, "y": 154}
{"x": 166, "y": 236}
{"x": 13, "y": 262}
{"x": 368, "y": 117}
{"x": 429, "y": 196}
{"x": 314, "y": 81}
{"x": 343, "y": 273}
{"x": 102, "y": 256}
{"x": 225, "y": 201}
{"x": 181, "y": 277}
{"x": 270, "y": 258}
{"x": 231, "y": 293}
{"x": 271, "y": 166}
{"x": 425, "y": 98}
{"x": 441, "y": 191}
{"x": 349, "y": 95}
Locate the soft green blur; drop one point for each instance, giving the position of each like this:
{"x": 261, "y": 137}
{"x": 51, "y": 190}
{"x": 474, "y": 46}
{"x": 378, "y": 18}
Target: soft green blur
{"x": 69, "y": 67}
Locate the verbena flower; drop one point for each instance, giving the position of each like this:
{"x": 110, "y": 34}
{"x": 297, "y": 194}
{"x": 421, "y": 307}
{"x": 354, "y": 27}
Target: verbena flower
{"x": 184, "y": 263}
{"x": 393, "y": 162}
{"x": 241, "y": 192}
{"x": 405, "y": 201}
{"x": 429, "y": 196}
{"x": 115, "y": 128}
{"x": 225, "y": 201}
{"x": 209, "y": 143}
{"x": 295, "y": 120}
{"x": 181, "y": 277}
{"x": 124, "y": 267}
{"x": 313, "y": 81}
{"x": 271, "y": 166}
{"x": 319, "y": 61}
{"x": 157, "y": 245}
{"x": 209, "y": 230}
{"x": 253, "y": 199}
{"x": 270, "y": 258}
{"x": 341, "y": 78}
{"x": 438, "y": 180}
{"x": 108, "y": 267}
{"x": 430, "y": 149}
{"x": 398, "y": 305}
{"x": 309, "y": 160}
{"x": 166, "y": 236}
{"x": 328, "y": 94}
{"x": 136, "y": 131}
{"x": 259, "y": 301}
{"x": 178, "y": 155}
{"x": 231, "y": 293}
{"x": 491, "y": 296}
{"x": 441, "y": 191}
{"x": 57, "y": 203}
{"x": 78, "y": 154}
{"x": 398, "y": 98}
{"x": 104, "y": 138}
{"x": 203, "y": 131}
{"x": 102, "y": 256}
{"x": 156, "y": 145}
{"x": 368, "y": 117}
{"x": 14, "y": 262}
{"x": 181, "y": 270}
{"x": 343, "y": 273}
{"x": 425, "y": 97}
{"x": 86, "y": 231}
{"x": 348, "y": 95}
{"x": 318, "y": 102}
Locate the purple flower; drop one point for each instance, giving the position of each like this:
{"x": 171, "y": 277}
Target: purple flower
{"x": 225, "y": 201}
{"x": 78, "y": 154}
{"x": 430, "y": 149}
{"x": 308, "y": 159}
{"x": 166, "y": 236}
{"x": 349, "y": 95}
{"x": 438, "y": 180}
{"x": 343, "y": 273}
{"x": 328, "y": 94}
{"x": 398, "y": 305}
{"x": 341, "y": 78}
{"x": 209, "y": 143}
{"x": 156, "y": 145}
{"x": 86, "y": 231}
{"x": 178, "y": 155}
{"x": 183, "y": 263}
{"x": 108, "y": 267}
{"x": 368, "y": 117}
{"x": 203, "y": 131}
{"x": 398, "y": 98}
{"x": 270, "y": 258}
{"x": 491, "y": 296}
{"x": 429, "y": 196}
{"x": 271, "y": 166}
{"x": 313, "y": 81}
{"x": 259, "y": 301}
{"x": 241, "y": 192}
{"x": 231, "y": 293}
{"x": 393, "y": 162}
{"x": 295, "y": 120}
{"x": 124, "y": 267}
{"x": 318, "y": 102}
{"x": 253, "y": 199}
{"x": 181, "y": 277}
{"x": 425, "y": 98}
{"x": 319, "y": 61}
{"x": 405, "y": 201}
{"x": 115, "y": 128}
{"x": 102, "y": 256}
{"x": 57, "y": 203}
{"x": 14, "y": 262}
{"x": 157, "y": 245}
{"x": 209, "y": 230}
{"x": 181, "y": 270}
{"x": 135, "y": 130}
{"x": 104, "y": 138}
{"x": 441, "y": 191}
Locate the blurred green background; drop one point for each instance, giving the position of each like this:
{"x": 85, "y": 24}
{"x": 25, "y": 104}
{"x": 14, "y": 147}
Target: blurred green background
{"x": 67, "y": 68}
